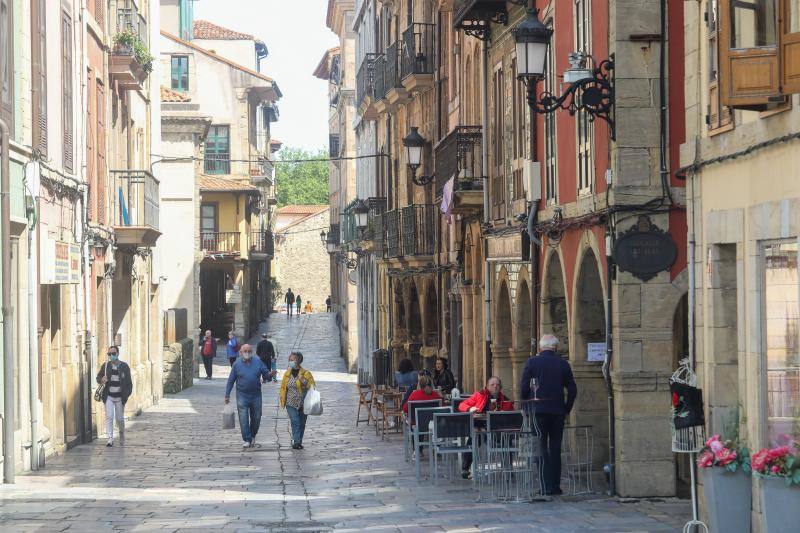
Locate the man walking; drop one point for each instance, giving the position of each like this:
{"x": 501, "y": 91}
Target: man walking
{"x": 248, "y": 374}
{"x": 328, "y": 304}
{"x": 267, "y": 353}
{"x": 289, "y": 299}
{"x": 208, "y": 349}
{"x": 544, "y": 380}
{"x": 116, "y": 375}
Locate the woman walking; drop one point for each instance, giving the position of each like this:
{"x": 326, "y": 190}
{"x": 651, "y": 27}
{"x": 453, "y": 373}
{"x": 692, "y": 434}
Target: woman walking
{"x": 295, "y": 384}
{"x": 232, "y": 348}
{"x": 116, "y": 375}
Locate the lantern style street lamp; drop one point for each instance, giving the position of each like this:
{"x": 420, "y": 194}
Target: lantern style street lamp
{"x": 415, "y": 143}
{"x": 361, "y": 210}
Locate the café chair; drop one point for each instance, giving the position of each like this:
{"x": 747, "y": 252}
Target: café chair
{"x": 410, "y": 421}
{"x": 424, "y": 416}
{"x": 453, "y": 434}
{"x": 364, "y": 400}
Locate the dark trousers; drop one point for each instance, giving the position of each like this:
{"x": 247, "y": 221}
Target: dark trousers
{"x": 551, "y": 428}
{"x": 208, "y": 363}
{"x": 289, "y": 308}
{"x": 231, "y": 359}
{"x": 328, "y": 308}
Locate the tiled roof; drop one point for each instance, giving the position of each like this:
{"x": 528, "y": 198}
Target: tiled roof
{"x": 301, "y": 209}
{"x": 217, "y": 184}
{"x": 168, "y": 95}
{"x": 204, "y": 29}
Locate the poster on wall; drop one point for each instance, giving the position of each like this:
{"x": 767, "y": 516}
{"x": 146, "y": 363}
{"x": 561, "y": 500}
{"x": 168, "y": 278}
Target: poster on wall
{"x": 74, "y": 263}
{"x": 61, "y": 262}
{"x": 596, "y": 351}
{"x": 234, "y": 296}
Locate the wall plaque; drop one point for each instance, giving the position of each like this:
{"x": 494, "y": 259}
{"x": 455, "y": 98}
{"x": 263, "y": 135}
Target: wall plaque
{"x": 645, "y": 250}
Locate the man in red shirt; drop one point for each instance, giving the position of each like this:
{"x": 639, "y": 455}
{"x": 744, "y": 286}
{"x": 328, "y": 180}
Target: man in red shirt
{"x": 489, "y": 399}
{"x": 208, "y": 349}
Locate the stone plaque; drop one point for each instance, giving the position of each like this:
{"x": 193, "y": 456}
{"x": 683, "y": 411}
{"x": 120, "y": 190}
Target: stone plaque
{"x": 645, "y": 250}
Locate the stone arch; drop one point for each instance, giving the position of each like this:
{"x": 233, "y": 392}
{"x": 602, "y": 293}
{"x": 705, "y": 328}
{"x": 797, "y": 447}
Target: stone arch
{"x": 503, "y": 336}
{"x": 554, "y": 312}
{"x": 523, "y": 325}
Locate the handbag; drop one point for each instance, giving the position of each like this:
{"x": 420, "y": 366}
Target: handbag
{"x": 98, "y": 392}
{"x": 312, "y": 403}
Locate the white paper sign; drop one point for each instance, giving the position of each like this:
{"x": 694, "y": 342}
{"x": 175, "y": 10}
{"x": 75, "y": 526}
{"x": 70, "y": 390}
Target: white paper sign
{"x": 596, "y": 351}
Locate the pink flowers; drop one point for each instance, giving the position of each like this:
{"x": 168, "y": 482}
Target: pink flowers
{"x": 780, "y": 461}
{"x": 717, "y": 453}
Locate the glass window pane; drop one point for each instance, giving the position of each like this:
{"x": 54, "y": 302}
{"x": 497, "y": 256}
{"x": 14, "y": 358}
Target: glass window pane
{"x": 782, "y": 318}
{"x": 753, "y": 23}
{"x": 792, "y": 16}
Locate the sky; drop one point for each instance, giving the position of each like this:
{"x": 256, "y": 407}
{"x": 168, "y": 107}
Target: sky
{"x": 296, "y": 37}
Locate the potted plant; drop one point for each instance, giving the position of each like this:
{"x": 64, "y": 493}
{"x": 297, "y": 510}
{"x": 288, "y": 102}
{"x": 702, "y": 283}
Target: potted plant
{"x": 127, "y": 41}
{"x": 779, "y": 470}
{"x": 726, "y": 484}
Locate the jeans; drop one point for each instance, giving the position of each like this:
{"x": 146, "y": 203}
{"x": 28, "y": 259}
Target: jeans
{"x": 208, "y": 363}
{"x": 249, "y": 408}
{"x": 115, "y": 409}
{"x": 298, "y": 419}
{"x": 551, "y": 429}
{"x": 289, "y": 309}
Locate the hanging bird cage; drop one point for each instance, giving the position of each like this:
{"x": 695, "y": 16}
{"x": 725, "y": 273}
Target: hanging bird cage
{"x": 688, "y": 419}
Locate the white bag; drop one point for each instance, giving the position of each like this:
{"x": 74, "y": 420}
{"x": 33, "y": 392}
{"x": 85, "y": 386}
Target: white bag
{"x": 228, "y": 417}
{"x": 312, "y": 404}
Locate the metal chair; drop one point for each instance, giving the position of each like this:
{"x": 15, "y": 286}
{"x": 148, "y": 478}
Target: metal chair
{"x": 505, "y": 467}
{"x": 424, "y": 416}
{"x": 410, "y": 421}
{"x": 577, "y": 460}
{"x": 453, "y": 434}
{"x": 364, "y": 400}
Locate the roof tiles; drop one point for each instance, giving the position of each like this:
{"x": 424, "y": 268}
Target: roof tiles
{"x": 204, "y": 29}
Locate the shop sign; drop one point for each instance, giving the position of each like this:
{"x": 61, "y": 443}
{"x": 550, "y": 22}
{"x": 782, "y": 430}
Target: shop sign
{"x": 234, "y": 295}
{"x": 61, "y": 262}
{"x": 596, "y": 351}
{"x": 645, "y": 250}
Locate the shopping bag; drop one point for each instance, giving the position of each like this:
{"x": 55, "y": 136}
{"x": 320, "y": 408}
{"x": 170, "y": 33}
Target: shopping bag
{"x": 312, "y": 404}
{"x": 228, "y": 417}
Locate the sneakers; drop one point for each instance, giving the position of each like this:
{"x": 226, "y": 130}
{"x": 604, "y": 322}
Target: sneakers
{"x": 466, "y": 474}
{"x": 297, "y": 446}
{"x": 110, "y": 443}
{"x": 246, "y": 444}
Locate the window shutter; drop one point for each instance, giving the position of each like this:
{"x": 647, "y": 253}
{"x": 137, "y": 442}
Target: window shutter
{"x": 68, "y": 97}
{"x": 100, "y": 146}
{"x": 749, "y": 73}
{"x": 789, "y": 23}
{"x": 718, "y": 114}
{"x": 90, "y": 152}
{"x": 39, "y": 75}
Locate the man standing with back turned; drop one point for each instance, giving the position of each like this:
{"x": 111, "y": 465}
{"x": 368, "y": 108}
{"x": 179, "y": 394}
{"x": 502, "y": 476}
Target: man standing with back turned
{"x": 545, "y": 378}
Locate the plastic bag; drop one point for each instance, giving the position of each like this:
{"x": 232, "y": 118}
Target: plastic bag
{"x": 228, "y": 417}
{"x": 312, "y": 404}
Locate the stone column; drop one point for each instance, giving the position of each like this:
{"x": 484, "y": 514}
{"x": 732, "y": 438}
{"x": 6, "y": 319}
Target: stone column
{"x": 467, "y": 324}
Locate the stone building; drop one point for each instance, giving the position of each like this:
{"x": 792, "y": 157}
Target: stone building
{"x": 740, "y": 163}
{"x": 301, "y": 262}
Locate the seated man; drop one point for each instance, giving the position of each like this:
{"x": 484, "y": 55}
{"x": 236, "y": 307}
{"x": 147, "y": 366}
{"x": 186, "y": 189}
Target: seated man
{"x": 489, "y": 399}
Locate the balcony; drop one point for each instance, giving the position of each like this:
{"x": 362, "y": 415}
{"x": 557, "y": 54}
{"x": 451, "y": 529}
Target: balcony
{"x": 395, "y": 92}
{"x": 136, "y": 206}
{"x": 411, "y": 231}
{"x": 262, "y": 244}
{"x": 379, "y": 91}
{"x": 221, "y": 243}
{"x": 365, "y": 87}
{"x": 262, "y": 172}
{"x": 217, "y": 163}
{"x": 375, "y": 234}
{"x": 131, "y": 61}
{"x": 419, "y": 56}
{"x": 391, "y": 220}
{"x": 475, "y": 16}
{"x": 459, "y": 155}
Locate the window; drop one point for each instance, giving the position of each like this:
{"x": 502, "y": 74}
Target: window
{"x": 584, "y": 127}
{"x": 719, "y": 117}
{"x": 187, "y": 19}
{"x": 759, "y": 43}
{"x": 7, "y": 62}
{"x": 180, "y": 73}
{"x": 218, "y": 154}
{"x": 39, "y": 74}
{"x": 550, "y": 150}
{"x": 66, "y": 77}
{"x": 519, "y": 105}
{"x": 498, "y": 148}
{"x": 208, "y": 218}
{"x": 782, "y": 341}
{"x": 100, "y": 148}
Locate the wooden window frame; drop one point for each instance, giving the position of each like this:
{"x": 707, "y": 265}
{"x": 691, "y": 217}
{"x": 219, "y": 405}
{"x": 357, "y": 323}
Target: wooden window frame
{"x": 39, "y": 74}
{"x": 216, "y": 128}
{"x": 7, "y": 64}
{"x": 584, "y": 128}
{"x": 550, "y": 128}
{"x": 67, "y": 72}
{"x": 719, "y": 117}
{"x": 100, "y": 150}
{"x": 498, "y": 189}
{"x": 215, "y": 206}
{"x": 172, "y": 59}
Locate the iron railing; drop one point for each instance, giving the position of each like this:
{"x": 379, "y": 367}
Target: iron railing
{"x": 219, "y": 241}
{"x": 136, "y": 200}
{"x": 380, "y": 77}
{"x": 262, "y": 242}
{"x": 419, "y": 53}
{"x": 376, "y": 231}
{"x": 459, "y": 155}
{"x": 365, "y": 79}
{"x": 391, "y": 220}
{"x": 419, "y": 229}
{"x": 392, "y": 66}
{"x": 217, "y": 163}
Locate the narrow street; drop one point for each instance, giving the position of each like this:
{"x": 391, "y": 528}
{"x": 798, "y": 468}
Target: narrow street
{"x": 180, "y": 472}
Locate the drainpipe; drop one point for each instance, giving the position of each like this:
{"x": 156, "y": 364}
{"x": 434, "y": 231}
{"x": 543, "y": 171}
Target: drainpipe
{"x": 33, "y": 333}
{"x": 487, "y": 279}
{"x": 9, "y": 461}
{"x": 610, "y": 468}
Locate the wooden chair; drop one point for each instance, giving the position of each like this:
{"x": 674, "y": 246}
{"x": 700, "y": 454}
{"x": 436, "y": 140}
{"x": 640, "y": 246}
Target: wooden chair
{"x": 391, "y": 409}
{"x": 365, "y": 393}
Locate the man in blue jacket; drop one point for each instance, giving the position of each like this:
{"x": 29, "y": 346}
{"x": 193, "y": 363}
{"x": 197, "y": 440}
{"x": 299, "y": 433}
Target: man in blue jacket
{"x": 248, "y": 373}
{"x": 544, "y": 380}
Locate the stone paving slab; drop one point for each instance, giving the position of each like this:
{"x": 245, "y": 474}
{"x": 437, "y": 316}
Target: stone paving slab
{"x": 181, "y": 472}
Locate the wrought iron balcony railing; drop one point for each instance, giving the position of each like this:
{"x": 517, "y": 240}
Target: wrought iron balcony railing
{"x": 392, "y": 68}
{"x": 391, "y": 220}
{"x": 217, "y": 163}
{"x": 365, "y": 79}
{"x": 262, "y": 242}
{"x": 136, "y": 200}
{"x": 220, "y": 241}
{"x": 380, "y": 77}
{"x": 419, "y": 229}
{"x": 419, "y": 52}
{"x": 459, "y": 155}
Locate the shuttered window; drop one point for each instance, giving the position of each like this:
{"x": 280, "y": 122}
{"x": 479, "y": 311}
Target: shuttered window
{"x": 7, "y": 62}
{"x": 719, "y": 117}
{"x": 66, "y": 76}
{"x": 584, "y": 126}
{"x": 550, "y": 150}
{"x": 91, "y": 163}
{"x": 180, "y": 73}
{"x": 498, "y": 149}
{"x": 39, "y": 75}
{"x": 100, "y": 146}
{"x": 789, "y": 26}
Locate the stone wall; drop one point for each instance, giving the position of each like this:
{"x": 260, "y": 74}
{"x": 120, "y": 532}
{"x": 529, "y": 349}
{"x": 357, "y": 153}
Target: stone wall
{"x": 302, "y": 263}
{"x": 178, "y": 366}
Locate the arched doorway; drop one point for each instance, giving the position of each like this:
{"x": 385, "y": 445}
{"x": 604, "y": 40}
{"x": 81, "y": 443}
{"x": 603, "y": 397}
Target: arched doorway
{"x": 501, "y": 343}
{"x": 554, "y": 304}
{"x": 431, "y": 317}
{"x": 522, "y": 338}
{"x": 414, "y": 340}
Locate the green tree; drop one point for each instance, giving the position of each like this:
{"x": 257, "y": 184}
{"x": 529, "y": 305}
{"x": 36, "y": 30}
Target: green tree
{"x": 304, "y": 182}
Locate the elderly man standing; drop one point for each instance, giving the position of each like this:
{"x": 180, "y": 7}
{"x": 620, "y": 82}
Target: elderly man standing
{"x": 545, "y": 378}
{"x": 248, "y": 373}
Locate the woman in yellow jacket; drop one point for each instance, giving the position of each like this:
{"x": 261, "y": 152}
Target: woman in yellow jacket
{"x": 294, "y": 386}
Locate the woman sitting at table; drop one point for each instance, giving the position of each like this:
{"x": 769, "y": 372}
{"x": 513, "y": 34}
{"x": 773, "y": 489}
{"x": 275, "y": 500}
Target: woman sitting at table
{"x": 405, "y": 375}
{"x": 424, "y": 391}
{"x": 489, "y": 399}
{"x": 442, "y": 377}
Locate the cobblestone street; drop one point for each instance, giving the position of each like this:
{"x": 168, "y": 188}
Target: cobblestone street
{"x": 181, "y": 472}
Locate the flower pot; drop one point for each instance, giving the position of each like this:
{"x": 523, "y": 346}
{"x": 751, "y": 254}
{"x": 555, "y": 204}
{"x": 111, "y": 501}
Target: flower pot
{"x": 728, "y": 500}
{"x": 779, "y": 505}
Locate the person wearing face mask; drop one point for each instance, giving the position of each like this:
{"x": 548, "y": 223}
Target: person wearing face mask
{"x": 116, "y": 375}
{"x": 247, "y": 373}
{"x": 295, "y": 384}
{"x": 489, "y": 399}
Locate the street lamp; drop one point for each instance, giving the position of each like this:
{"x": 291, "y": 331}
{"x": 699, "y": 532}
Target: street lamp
{"x": 361, "y": 210}
{"x": 589, "y": 89}
{"x": 415, "y": 143}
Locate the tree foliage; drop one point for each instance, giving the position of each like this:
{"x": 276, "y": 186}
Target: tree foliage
{"x": 302, "y": 183}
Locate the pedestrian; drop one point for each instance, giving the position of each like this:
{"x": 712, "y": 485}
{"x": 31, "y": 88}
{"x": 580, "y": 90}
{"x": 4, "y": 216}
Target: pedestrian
{"x": 248, "y": 374}
{"x": 208, "y": 349}
{"x": 266, "y": 351}
{"x": 289, "y": 299}
{"x": 232, "y": 348}
{"x": 545, "y": 378}
{"x": 116, "y": 375}
{"x": 295, "y": 384}
{"x": 405, "y": 375}
{"x": 442, "y": 377}
{"x": 490, "y": 398}
{"x": 328, "y": 304}
{"x": 308, "y": 309}
{"x": 298, "y": 301}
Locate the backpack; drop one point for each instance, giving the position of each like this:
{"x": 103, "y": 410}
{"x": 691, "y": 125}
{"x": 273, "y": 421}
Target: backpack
{"x": 209, "y": 348}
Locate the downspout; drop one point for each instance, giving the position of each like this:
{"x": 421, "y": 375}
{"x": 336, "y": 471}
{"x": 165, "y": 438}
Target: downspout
{"x": 487, "y": 306}
{"x": 610, "y": 468}
{"x": 9, "y": 462}
{"x": 33, "y": 315}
